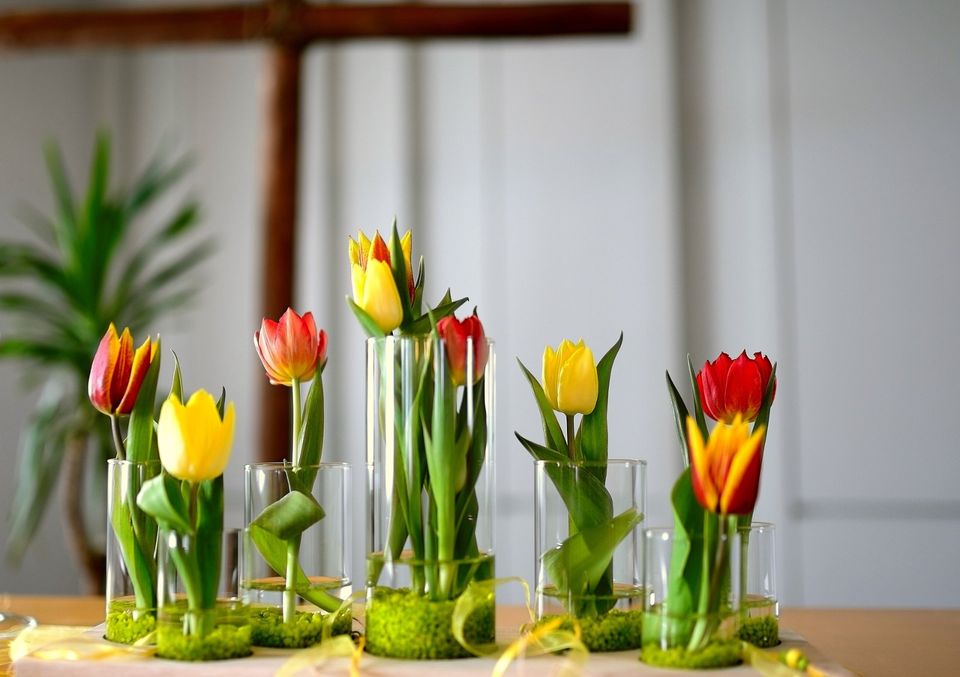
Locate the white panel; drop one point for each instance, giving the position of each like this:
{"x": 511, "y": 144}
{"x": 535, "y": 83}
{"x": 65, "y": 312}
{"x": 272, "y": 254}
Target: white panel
{"x": 876, "y": 148}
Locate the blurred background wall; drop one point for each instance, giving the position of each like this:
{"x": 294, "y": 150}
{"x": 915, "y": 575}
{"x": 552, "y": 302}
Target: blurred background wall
{"x": 776, "y": 176}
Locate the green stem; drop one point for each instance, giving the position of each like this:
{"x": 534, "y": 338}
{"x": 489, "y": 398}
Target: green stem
{"x": 117, "y": 437}
{"x": 297, "y": 421}
{"x": 290, "y": 590}
{"x": 571, "y": 438}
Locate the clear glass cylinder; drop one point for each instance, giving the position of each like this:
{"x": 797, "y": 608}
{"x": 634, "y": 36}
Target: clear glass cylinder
{"x": 197, "y": 626}
{"x": 322, "y": 554}
{"x": 760, "y": 610}
{"x": 692, "y": 624}
{"x": 610, "y": 610}
{"x": 430, "y": 471}
{"x": 131, "y": 553}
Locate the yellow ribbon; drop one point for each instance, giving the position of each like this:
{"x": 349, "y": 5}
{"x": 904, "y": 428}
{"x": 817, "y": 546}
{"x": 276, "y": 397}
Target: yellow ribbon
{"x": 329, "y": 646}
{"x": 769, "y": 664}
{"x": 69, "y": 643}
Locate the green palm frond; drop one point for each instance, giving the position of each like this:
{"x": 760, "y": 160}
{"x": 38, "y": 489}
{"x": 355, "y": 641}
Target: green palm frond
{"x": 79, "y": 270}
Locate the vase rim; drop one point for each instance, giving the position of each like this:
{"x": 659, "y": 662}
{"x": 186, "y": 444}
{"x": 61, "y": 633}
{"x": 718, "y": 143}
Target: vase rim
{"x": 127, "y": 461}
{"x": 409, "y": 338}
{"x": 284, "y": 465}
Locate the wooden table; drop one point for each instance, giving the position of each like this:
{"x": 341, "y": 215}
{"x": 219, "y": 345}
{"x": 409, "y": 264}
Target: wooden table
{"x": 869, "y": 642}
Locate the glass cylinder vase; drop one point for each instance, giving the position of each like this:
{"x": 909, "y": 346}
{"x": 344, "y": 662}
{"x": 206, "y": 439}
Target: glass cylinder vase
{"x": 292, "y": 585}
{"x": 195, "y": 623}
{"x": 758, "y": 621}
{"x": 430, "y": 464}
{"x": 131, "y": 553}
{"x": 692, "y": 596}
{"x": 601, "y": 504}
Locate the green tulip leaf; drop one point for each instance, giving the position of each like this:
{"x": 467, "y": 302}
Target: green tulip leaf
{"x": 581, "y": 561}
{"x": 290, "y": 516}
{"x": 423, "y": 324}
{"x": 688, "y": 546}
{"x": 417, "y": 305}
{"x": 697, "y": 404}
{"x": 398, "y": 266}
{"x": 274, "y": 552}
{"x": 680, "y": 414}
{"x": 140, "y": 563}
{"x": 763, "y": 414}
{"x": 552, "y": 434}
{"x": 222, "y": 402}
{"x": 140, "y": 431}
{"x": 310, "y": 444}
{"x": 161, "y": 498}
{"x": 368, "y": 323}
{"x": 176, "y": 388}
{"x": 594, "y": 425}
{"x": 209, "y": 537}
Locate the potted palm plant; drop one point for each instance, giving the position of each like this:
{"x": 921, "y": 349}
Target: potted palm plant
{"x": 93, "y": 260}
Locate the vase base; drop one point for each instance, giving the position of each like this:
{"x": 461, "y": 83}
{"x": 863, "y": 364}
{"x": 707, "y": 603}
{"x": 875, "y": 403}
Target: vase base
{"x": 615, "y": 630}
{"x": 125, "y": 624}
{"x": 761, "y": 631}
{"x": 719, "y": 653}
{"x": 268, "y": 628}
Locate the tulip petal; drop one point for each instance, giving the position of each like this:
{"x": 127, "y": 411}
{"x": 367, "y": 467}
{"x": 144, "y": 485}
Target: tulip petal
{"x": 703, "y": 487}
{"x": 711, "y": 382}
{"x": 357, "y": 278}
{"x": 549, "y": 373}
{"x": 380, "y": 298}
{"x": 364, "y": 243}
{"x": 101, "y": 371}
{"x": 141, "y": 364}
{"x": 379, "y": 250}
{"x": 743, "y": 390}
{"x": 170, "y": 439}
{"x": 577, "y": 383}
{"x": 743, "y": 480}
{"x": 121, "y": 369}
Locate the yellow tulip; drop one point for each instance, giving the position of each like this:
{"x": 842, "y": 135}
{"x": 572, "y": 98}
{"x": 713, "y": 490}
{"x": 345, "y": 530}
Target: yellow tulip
{"x": 374, "y": 289}
{"x": 194, "y": 442}
{"x": 570, "y": 378}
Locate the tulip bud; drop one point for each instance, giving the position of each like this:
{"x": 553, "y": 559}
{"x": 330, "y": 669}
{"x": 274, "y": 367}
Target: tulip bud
{"x": 374, "y": 289}
{"x": 725, "y": 471}
{"x": 731, "y": 387}
{"x": 118, "y": 371}
{"x": 455, "y": 334}
{"x": 570, "y": 378}
{"x": 194, "y": 441}
{"x": 291, "y": 349}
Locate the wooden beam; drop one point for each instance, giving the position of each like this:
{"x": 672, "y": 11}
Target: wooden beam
{"x": 135, "y": 27}
{"x": 280, "y": 166}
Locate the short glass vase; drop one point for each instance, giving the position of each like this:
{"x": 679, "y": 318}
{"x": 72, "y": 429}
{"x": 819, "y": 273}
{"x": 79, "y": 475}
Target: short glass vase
{"x": 211, "y": 631}
{"x": 676, "y": 632}
{"x": 131, "y": 585}
{"x": 430, "y": 540}
{"x": 758, "y": 622}
{"x": 610, "y": 614}
{"x": 292, "y": 600}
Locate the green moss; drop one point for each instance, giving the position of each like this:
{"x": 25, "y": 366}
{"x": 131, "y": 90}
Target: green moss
{"x": 224, "y": 641}
{"x": 613, "y": 631}
{"x": 402, "y": 624}
{"x": 125, "y": 624}
{"x": 305, "y": 630}
{"x": 761, "y": 631}
{"x": 720, "y": 653}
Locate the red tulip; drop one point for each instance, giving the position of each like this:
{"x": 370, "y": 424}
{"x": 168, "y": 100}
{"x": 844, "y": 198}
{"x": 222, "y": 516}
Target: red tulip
{"x": 730, "y": 387}
{"x": 118, "y": 371}
{"x": 455, "y": 334}
{"x": 291, "y": 349}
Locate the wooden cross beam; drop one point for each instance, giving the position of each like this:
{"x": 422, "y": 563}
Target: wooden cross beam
{"x": 288, "y": 26}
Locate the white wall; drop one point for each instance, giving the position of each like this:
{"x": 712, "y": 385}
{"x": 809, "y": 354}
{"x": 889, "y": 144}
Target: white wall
{"x": 773, "y": 176}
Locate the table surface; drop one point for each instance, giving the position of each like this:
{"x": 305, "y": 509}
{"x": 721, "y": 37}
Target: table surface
{"x": 866, "y": 641}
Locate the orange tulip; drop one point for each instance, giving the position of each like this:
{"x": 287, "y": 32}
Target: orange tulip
{"x": 291, "y": 349}
{"x": 455, "y": 334}
{"x": 725, "y": 470}
{"x": 118, "y": 371}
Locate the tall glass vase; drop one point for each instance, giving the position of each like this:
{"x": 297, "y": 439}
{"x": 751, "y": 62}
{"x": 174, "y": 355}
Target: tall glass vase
{"x": 131, "y": 591}
{"x": 691, "y": 621}
{"x": 430, "y": 465}
{"x": 293, "y": 585}
{"x": 605, "y": 592}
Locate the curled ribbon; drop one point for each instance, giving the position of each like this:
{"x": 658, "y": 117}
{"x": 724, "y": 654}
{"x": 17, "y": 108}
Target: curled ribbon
{"x": 546, "y": 639}
{"x": 69, "y": 643}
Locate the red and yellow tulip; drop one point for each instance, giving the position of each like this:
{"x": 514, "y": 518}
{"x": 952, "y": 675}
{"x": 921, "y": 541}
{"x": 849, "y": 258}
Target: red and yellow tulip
{"x": 193, "y": 440}
{"x": 374, "y": 288}
{"x": 118, "y": 371}
{"x": 570, "y": 378}
{"x": 725, "y": 470}
{"x": 455, "y": 335}
{"x": 291, "y": 349}
{"x": 730, "y": 388}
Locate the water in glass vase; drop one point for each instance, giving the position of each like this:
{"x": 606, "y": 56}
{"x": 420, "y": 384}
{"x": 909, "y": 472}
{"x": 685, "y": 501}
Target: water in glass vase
{"x": 269, "y": 589}
{"x": 758, "y": 623}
